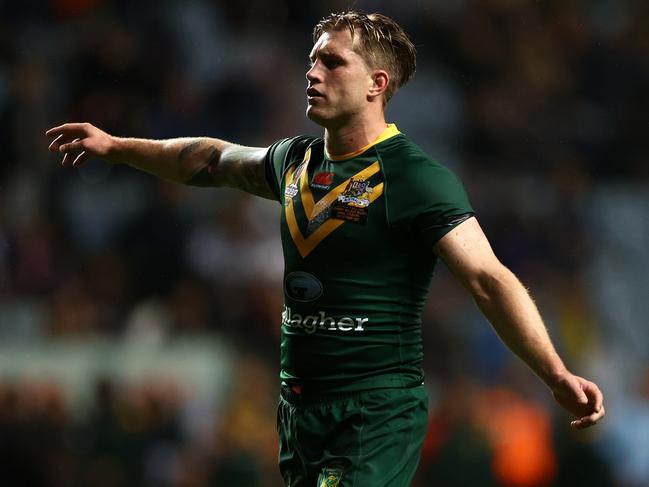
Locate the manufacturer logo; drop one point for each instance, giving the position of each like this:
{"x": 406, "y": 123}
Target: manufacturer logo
{"x": 302, "y": 286}
{"x": 322, "y": 180}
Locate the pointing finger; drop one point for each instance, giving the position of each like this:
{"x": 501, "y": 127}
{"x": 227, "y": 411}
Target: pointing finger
{"x": 71, "y": 128}
{"x": 54, "y": 131}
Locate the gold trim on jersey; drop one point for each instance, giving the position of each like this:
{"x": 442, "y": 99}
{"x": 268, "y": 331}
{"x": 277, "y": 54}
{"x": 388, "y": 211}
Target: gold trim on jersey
{"x": 390, "y": 131}
{"x": 312, "y": 209}
{"x": 306, "y": 244}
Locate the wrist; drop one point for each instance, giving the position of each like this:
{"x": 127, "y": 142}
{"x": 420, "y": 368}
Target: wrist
{"x": 556, "y": 376}
{"x": 116, "y": 150}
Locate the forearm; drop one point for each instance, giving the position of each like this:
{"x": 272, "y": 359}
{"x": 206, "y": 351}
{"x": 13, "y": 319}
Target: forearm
{"x": 177, "y": 160}
{"x": 199, "y": 161}
{"x": 512, "y": 312}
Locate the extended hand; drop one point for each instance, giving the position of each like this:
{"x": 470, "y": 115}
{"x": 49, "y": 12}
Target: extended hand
{"x": 78, "y": 141}
{"x": 580, "y": 397}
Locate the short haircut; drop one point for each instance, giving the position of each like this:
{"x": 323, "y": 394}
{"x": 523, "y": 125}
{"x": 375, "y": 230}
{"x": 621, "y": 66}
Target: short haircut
{"x": 383, "y": 44}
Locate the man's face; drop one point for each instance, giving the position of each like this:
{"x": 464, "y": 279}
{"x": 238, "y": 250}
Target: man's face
{"x": 339, "y": 80}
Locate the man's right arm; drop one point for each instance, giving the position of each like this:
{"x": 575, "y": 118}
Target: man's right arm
{"x": 200, "y": 161}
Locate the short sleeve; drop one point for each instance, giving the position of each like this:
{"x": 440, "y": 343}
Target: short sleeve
{"x": 428, "y": 199}
{"x": 280, "y": 156}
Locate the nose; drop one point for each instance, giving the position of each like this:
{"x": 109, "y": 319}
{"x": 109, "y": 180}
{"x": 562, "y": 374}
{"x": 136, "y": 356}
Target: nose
{"x": 312, "y": 74}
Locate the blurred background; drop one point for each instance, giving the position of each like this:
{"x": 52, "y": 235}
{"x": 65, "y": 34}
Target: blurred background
{"x": 139, "y": 319}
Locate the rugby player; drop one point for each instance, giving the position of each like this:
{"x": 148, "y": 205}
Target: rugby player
{"x": 365, "y": 215}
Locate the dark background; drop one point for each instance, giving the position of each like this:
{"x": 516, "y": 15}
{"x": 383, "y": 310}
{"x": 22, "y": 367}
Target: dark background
{"x": 139, "y": 319}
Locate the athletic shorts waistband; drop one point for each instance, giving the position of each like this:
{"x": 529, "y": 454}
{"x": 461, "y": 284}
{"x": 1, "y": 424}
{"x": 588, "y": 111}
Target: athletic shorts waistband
{"x": 299, "y": 395}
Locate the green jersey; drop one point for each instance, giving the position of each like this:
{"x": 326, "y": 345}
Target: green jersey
{"x": 357, "y": 234}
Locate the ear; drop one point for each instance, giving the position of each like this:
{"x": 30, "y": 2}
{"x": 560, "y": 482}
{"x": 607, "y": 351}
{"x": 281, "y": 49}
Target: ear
{"x": 380, "y": 81}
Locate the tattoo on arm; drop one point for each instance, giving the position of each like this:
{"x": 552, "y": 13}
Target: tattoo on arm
{"x": 186, "y": 152}
{"x": 194, "y": 162}
{"x": 209, "y": 163}
{"x": 246, "y": 171}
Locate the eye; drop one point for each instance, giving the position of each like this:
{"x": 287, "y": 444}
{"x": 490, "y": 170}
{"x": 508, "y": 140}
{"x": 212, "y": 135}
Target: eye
{"x": 330, "y": 63}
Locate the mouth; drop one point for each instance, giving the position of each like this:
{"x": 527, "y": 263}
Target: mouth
{"x": 312, "y": 93}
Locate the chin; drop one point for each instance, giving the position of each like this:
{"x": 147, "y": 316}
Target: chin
{"x": 313, "y": 115}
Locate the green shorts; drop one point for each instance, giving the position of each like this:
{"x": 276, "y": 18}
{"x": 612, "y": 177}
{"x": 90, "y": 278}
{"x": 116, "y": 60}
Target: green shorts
{"x": 364, "y": 439}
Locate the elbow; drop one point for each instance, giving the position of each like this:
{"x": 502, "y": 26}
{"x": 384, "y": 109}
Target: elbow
{"x": 482, "y": 290}
{"x": 486, "y": 285}
{"x": 202, "y": 178}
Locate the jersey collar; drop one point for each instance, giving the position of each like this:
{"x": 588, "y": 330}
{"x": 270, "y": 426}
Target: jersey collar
{"x": 390, "y": 131}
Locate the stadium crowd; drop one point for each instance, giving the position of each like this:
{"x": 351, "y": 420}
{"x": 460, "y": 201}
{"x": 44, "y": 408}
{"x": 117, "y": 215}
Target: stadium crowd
{"x": 541, "y": 107}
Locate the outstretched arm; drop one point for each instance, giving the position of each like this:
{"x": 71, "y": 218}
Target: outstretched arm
{"x": 507, "y": 305}
{"x": 200, "y": 161}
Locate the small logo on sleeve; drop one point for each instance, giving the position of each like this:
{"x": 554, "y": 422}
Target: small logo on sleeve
{"x": 292, "y": 189}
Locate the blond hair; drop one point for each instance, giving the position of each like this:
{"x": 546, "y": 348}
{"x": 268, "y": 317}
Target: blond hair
{"x": 383, "y": 44}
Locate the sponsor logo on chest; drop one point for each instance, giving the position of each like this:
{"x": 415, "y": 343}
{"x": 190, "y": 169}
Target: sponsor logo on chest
{"x": 320, "y": 321}
{"x": 302, "y": 286}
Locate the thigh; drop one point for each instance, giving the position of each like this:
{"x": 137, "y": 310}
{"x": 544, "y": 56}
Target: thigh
{"x": 395, "y": 423}
{"x": 372, "y": 439}
{"x": 318, "y": 436}
{"x": 292, "y": 464}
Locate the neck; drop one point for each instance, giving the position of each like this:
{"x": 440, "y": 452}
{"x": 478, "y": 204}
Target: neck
{"x": 350, "y": 138}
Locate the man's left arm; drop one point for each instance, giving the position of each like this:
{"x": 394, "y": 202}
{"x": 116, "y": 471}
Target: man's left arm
{"x": 507, "y": 305}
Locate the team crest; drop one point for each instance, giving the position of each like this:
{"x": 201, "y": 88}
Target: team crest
{"x": 357, "y": 193}
{"x": 352, "y": 204}
{"x": 330, "y": 477}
